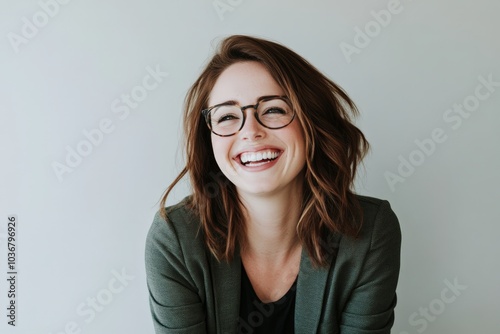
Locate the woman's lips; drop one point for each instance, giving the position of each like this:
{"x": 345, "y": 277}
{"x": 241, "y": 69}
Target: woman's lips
{"x": 258, "y": 157}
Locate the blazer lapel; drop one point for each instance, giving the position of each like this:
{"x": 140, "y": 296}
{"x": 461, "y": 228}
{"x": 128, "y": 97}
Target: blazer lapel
{"x": 311, "y": 284}
{"x": 227, "y": 284}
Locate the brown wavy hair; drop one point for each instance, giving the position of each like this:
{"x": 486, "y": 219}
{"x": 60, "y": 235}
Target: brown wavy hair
{"x": 334, "y": 146}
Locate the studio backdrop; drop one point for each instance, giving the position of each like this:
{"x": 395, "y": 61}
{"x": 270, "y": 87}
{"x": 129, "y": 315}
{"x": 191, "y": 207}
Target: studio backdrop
{"x": 91, "y": 96}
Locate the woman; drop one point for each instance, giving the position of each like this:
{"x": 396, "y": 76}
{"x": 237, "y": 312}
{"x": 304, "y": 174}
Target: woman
{"x": 272, "y": 239}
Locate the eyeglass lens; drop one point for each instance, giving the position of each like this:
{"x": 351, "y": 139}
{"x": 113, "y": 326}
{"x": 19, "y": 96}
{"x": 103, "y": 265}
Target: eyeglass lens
{"x": 228, "y": 119}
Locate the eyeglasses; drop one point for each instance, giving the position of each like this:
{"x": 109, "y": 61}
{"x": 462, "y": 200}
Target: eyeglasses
{"x": 226, "y": 119}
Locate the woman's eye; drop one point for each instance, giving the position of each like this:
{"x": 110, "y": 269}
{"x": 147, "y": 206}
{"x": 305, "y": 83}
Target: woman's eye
{"x": 275, "y": 110}
{"x": 226, "y": 118}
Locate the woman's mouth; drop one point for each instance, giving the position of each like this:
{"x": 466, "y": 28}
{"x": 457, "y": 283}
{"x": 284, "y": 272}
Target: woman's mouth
{"x": 253, "y": 159}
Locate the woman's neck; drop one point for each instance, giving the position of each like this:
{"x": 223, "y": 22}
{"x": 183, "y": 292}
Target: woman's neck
{"x": 270, "y": 224}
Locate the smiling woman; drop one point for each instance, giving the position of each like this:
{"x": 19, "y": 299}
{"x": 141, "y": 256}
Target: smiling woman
{"x": 283, "y": 245}
{"x": 268, "y": 129}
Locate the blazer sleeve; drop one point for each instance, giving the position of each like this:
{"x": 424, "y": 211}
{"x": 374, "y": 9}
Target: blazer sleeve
{"x": 370, "y": 308}
{"x": 175, "y": 305}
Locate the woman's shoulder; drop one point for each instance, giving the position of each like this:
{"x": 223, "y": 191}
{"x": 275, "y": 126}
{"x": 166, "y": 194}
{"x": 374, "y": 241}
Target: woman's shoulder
{"x": 376, "y": 208}
{"x": 369, "y": 203}
{"x": 379, "y": 219}
{"x": 181, "y": 228}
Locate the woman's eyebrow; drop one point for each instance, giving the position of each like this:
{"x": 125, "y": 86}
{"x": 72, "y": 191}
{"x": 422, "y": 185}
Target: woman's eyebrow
{"x": 260, "y": 98}
{"x": 230, "y": 102}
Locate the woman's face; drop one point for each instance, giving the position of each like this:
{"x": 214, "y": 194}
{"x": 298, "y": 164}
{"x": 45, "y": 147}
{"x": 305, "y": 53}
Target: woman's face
{"x": 280, "y": 153}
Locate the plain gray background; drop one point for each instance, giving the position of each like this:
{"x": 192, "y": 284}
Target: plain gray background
{"x": 66, "y": 68}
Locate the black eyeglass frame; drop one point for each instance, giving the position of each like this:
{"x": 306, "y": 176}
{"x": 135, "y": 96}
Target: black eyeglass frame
{"x": 206, "y": 113}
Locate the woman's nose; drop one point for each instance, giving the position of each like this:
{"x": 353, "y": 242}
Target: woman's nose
{"x": 252, "y": 129}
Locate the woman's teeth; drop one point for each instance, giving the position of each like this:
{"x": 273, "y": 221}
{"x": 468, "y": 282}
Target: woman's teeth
{"x": 248, "y": 157}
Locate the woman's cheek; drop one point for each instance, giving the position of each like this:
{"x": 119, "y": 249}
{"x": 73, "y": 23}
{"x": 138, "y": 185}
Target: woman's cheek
{"x": 221, "y": 150}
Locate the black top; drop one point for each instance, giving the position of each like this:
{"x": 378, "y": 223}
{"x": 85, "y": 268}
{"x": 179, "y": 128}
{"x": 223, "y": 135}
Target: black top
{"x": 257, "y": 317}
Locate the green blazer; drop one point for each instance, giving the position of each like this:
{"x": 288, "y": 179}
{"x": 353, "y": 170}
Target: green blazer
{"x": 190, "y": 292}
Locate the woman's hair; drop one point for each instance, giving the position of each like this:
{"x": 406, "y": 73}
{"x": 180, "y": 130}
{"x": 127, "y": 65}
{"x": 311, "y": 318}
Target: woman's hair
{"x": 334, "y": 148}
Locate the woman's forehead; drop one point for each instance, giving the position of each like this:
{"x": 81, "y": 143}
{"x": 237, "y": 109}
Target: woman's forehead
{"x": 244, "y": 82}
